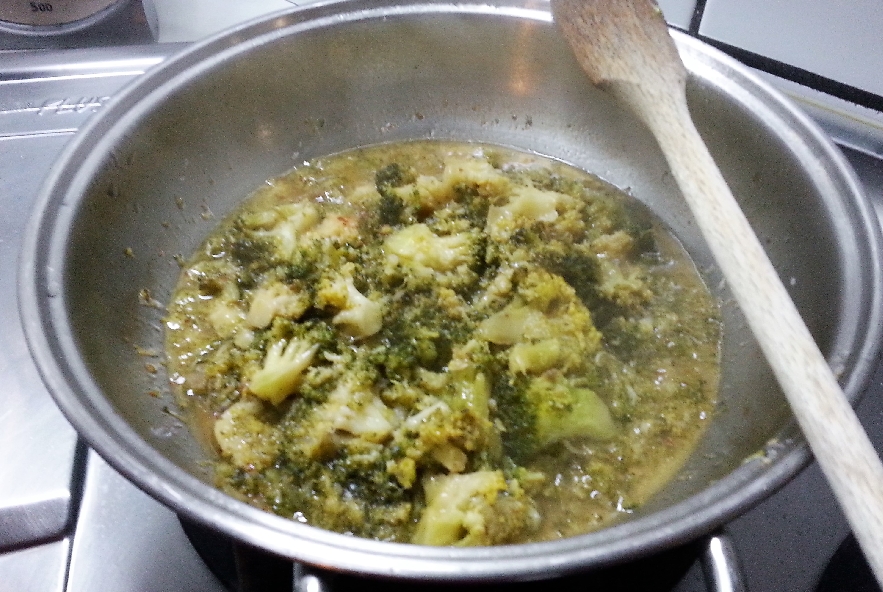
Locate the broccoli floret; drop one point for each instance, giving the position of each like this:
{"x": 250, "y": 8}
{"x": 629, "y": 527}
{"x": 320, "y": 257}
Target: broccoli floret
{"x": 358, "y": 315}
{"x": 418, "y": 332}
{"x": 226, "y": 317}
{"x": 366, "y": 478}
{"x": 546, "y": 325}
{"x": 250, "y": 255}
{"x": 515, "y": 412}
{"x": 349, "y": 493}
{"x": 541, "y": 411}
{"x": 281, "y": 372}
{"x": 352, "y": 416}
{"x": 247, "y": 250}
{"x": 547, "y": 340}
{"x": 276, "y": 299}
{"x": 390, "y": 209}
{"x": 361, "y": 317}
{"x": 563, "y": 412}
{"x": 475, "y": 204}
{"x": 392, "y": 175}
{"x": 424, "y": 252}
{"x": 624, "y": 286}
{"x": 526, "y": 207}
{"x": 469, "y": 388}
{"x": 428, "y": 435}
{"x": 507, "y": 326}
{"x": 404, "y": 348}
{"x": 579, "y": 269}
{"x": 244, "y": 438}
{"x": 479, "y": 508}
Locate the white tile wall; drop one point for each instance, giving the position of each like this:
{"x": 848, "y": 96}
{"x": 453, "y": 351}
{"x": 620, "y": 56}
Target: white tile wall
{"x": 841, "y": 40}
{"x": 195, "y": 19}
{"x": 678, "y": 12}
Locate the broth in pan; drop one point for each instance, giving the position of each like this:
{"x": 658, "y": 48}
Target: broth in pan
{"x": 444, "y": 344}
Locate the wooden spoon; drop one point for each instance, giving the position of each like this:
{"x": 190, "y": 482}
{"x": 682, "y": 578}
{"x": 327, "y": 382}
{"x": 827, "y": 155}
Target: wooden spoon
{"x": 625, "y": 48}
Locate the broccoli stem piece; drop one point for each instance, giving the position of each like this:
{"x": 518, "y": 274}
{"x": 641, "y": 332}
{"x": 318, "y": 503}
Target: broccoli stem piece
{"x": 563, "y": 412}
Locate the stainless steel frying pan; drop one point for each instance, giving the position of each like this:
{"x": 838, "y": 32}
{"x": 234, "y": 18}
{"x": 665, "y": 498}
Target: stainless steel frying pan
{"x": 157, "y": 169}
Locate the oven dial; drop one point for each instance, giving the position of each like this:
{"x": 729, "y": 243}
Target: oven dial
{"x": 51, "y": 13}
{"x": 48, "y": 24}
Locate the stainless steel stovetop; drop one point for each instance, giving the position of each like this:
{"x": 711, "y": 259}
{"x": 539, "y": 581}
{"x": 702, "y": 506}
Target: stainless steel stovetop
{"x": 70, "y": 522}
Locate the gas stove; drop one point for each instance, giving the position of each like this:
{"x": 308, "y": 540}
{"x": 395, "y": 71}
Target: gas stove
{"x": 70, "y": 522}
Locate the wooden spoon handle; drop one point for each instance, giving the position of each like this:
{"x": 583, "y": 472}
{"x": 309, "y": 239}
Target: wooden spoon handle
{"x": 625, "y": 48}
{"x": 837, "y": 439}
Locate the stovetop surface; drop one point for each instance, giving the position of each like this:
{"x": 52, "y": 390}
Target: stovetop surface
{"x": 70, "y": 522}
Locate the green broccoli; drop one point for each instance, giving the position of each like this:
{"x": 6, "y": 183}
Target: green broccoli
{"x": 281, "y": 371}
{"x": 479, "y": 508}
{"x": 391, "y": 208}
{"x": 563, "y": 412}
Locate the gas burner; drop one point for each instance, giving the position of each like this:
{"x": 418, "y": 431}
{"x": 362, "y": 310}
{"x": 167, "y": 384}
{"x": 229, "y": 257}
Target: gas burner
{"x": 848, "y": 571}
{"x": 242, "y": 569}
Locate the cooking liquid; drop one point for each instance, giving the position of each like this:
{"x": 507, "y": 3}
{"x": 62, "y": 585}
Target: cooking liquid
{"x": 657, "y": 368}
